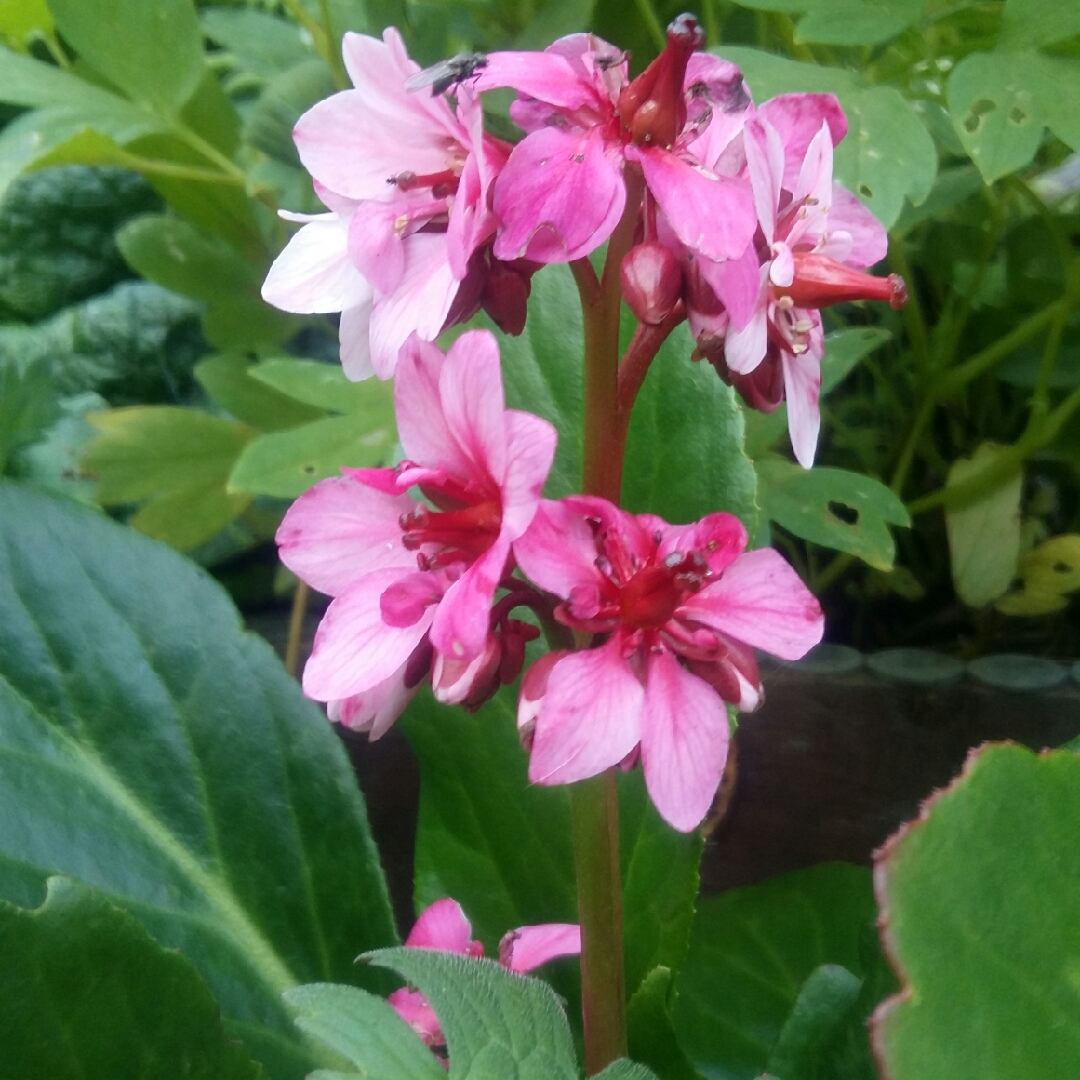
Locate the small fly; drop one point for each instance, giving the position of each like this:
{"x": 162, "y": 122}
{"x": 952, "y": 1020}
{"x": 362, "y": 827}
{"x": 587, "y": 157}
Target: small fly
{"x": 447, "y": 73}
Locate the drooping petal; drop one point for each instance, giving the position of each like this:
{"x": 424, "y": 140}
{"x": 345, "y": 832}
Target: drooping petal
{"x": 461, "y": 623}
{"x": 559, "y": 196}
{"x": 761, "y": 601}
{"x": 417, "y": 1012}
{"x": 341, "y": 529}
{"x": 802, "y": 387}
{"x": 442, "y": 927}
{"x": 354, "y": 649}
{"x": 313, "y": 274}
{"x": 744, "y": 349}
{"x": 354, "y": 339}
{"x": 375, "y": 710}
{"x": 710, "y": 214}
{"x": 528, "y": 947}
{"x": 589, "y": 718}
{"x": 684, "y": 739}
{"x": 737, "y": 284}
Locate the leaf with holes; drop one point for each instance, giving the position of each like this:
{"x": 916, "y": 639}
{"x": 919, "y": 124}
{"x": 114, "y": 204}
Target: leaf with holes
{"x": 832, "y": 507}
{"x": 85, "y": 991}
{"x": 1049, "y": 573}
{"x": 154, "y": 751}
{"x": 981, "y": 917}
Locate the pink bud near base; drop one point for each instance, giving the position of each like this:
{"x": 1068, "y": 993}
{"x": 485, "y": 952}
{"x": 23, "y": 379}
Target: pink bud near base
{"x": 820, "y": 281}
{"x": 651, "y": 282}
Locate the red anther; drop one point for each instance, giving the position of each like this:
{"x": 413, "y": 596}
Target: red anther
{"x": 651, "y": 282}
{"x": 820, "y": 281}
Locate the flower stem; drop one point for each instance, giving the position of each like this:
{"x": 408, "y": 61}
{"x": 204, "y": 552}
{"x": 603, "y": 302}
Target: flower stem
{"x": 595, "y": 812}
{"x": 296, "y": 628}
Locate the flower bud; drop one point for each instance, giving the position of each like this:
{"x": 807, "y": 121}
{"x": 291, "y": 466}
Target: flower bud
{"x": 651, "y": 282}
{"x": 505, "y": 296}
{"x": 820, "y": 281}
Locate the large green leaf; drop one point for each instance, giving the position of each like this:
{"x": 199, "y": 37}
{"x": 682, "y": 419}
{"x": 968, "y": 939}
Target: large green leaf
{"x": 981, "y": 916}
{"x": 753, "y": 949}
{"x": 498, "y": 1026}
{"x": 501, "y": 846}
{"x": 228, "y": 379}
{"x": 262, "y": 43}
{"x": 846, "y": 22}
{"x": 684, "y": 452}
{"x": 152, "y": 50}
{"x": 887, "y": 156}
{"x": 56, "y": 236}
{"x": 1038, "y": 22}
{"x": 650, "y": 1032}
{"x": 326, "y": 386}
{"x": 28, "y": 408}
{"x": 151, "y": 749}
{"x": 832, "y": 507}
{"x": 86, "y": 992}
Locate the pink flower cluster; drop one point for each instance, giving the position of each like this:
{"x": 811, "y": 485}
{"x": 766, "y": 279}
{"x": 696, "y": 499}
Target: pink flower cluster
{"x": 739, "y": 225}
{"x": 427, "y": 588}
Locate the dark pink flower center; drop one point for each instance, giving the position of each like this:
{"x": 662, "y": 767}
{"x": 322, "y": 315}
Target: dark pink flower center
{"x": 460, "y": 535}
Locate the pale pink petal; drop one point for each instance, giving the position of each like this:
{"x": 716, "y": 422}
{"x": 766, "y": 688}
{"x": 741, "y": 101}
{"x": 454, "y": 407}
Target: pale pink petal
{"x": 417, "y": 1012}
{"x": 313, "y": 274}
{"x": 814, "y": 189}
{"x": 559, "y": 196}
{"x": 765, "y": 163}
{"x": 442, "y": 927}
{"x": 867, "y": 242}
{"x": 420, "y": 303}
{"x": 558, "y": 550}
{"x": 737, "y": 284}
{"x": 761, "y": 601}
{"x": 782, "y": 267}
{"x": 375, "y": 710}
{"x": 530, "y": 443}
{"x": 471, "y": 393}
{"x": 745, "y": 348}
{"x": 589, "y": 718}
{"x": 798, "y": 118}
{"x": 354, "y": 341}
{"x": 802, "y": 387}
{"x": 354, "y": 649}
{"x": 710, "y": 214}
{"x": 684, "y": 739}
{"x": 341, "y": 529}
{"x": 528, "y": 947}
{"x": 545, "y": 76}
{"x": 455, "y": 681}
{"x": 375, "y": 244}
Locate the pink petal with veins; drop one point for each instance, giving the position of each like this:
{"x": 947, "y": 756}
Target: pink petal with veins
{"x": 528, "y": 947}
{"x": 314, "y": 274}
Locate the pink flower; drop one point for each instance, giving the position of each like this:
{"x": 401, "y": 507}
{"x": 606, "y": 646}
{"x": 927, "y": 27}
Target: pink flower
{"x": 443, "y": 927}
{"x": 815, "y": 238}
{"x": 414, "y": 583}
{"x": 407, "y": 182}
{"x": 680, "y": 609}
{"x": 562, "y": 191}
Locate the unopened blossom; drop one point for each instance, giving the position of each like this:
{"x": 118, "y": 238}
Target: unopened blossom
{"x": 414, "y": 582}
{"x": 444, "y": 928}
{"x": 406, "y": 179}
{"x": 678, "y": 610}
{"x": 814, "y": 241}
{"x": 563, "y": 189}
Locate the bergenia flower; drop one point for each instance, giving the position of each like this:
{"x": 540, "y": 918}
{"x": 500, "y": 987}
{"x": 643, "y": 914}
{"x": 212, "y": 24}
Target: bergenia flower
{"x": 814, "y": 242}
{"x": 680, "y": 609}
{"x": 563, "y": 189}
{"x": 406, "y": 179}
{"x": 413, "y": 583}
{"x": 444, "y": 927}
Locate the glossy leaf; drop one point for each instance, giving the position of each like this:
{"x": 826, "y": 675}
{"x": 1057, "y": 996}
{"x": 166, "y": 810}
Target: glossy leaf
{"x": 326, "y": 386}
{"x": 984, "y": 533}
{"x": 151, "y": 749}
{"x": 228, "y": 378}
{"x": 981, "y": 918}
{"x": 286, "y": 463}
{"x": 751, "y": 952}
{"x": 497, "y": 1024}
{"x": 151, "y": 50}
{"x": 887, "y": 156}
{"x": 364, "y": 1030}
{"x": 832, "y": 507}
{"x": 86, "y": 991}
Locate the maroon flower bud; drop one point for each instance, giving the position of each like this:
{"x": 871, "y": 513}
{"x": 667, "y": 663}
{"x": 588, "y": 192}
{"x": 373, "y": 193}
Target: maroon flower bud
{"x": 821, "y": 281}
{"x": 762, "y": 388}
{"x": 505, "y": 296}
{"x": 651, "y": 282}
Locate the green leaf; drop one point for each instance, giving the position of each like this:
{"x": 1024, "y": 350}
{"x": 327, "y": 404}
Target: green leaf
{"x": 650, "y": 1032}
{"x": 178, "y": 256}
{"x": 286, "y": 463}
{"x": 497, "y": 1024}
{"x": 22, "y": 22}
{"x": 131, "y": 343}
{"x": 269, "y": 124}
{"x": 502, "y": 848}
{"x": 229, "y": 379}
{"x": 1038, "y": 22}
{"x": 684, "y": 452}
{"x": 981, "y": 916}
{"x": 179, "y": 459}
{"x": 622, "y": 1069}
{"x": 751, "y": 952}
{"x": 326, "y": 386}
{"x": 262, "y": 43}
{"x": 151, "y": 50}
{"x": 838, "y": 509}
{"x": 28, "y": 408}
{"x": 887, "y": 156}
{"x": 56, "y": 461}
{"x": 154, "y": 751}
{"x": 85, "y": 991}
{"x": 56, "y": 236}
{"x": 984, "y": 533}
{"x": 856, "y": 22}
{"x": 364, "y": 1030}
{"x": 542, "y": 370}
